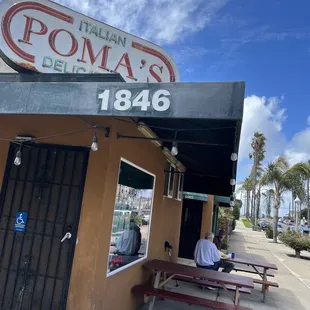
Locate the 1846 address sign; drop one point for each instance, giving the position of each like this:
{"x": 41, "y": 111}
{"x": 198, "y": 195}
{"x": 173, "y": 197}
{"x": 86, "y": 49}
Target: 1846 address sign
{"x": 134, "y": 99}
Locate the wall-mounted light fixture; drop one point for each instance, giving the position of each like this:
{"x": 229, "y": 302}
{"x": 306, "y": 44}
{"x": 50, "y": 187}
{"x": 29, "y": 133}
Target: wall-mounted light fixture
{"x": 149, "y": 133}
{"x": 24, "y": 138}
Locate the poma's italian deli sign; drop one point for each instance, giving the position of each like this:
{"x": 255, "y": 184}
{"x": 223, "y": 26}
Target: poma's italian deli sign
{"x": 43, "y": 36}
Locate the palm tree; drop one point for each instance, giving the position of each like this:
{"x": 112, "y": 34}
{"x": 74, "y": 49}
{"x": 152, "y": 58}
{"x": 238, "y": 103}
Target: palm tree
{"x": 283, "y": 178}
{"x": 260, "y": 172}
{"x": 247, "y": 186}
{"x": 258, "y": 155}
{"x": 268, "y": 200}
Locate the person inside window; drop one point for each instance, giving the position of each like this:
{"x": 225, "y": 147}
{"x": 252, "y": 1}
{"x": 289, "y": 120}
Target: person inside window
{"x": 207, "y": 256}
{"x": 130, "y": 241}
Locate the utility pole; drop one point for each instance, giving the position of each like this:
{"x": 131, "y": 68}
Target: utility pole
{"x": 308, "y": 197}
{"x": 293, "y": 206}
{"x": 254, "y": 192}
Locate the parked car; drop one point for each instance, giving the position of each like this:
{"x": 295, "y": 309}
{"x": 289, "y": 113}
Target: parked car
{"x": 304, "y": 229}
{"x": 291, "y": 228}
{"x": 263, "y": 225}
{"x": 280, "y": 229}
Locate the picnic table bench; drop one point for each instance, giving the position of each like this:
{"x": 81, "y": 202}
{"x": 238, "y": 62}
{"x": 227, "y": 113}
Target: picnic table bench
{"x": 263, "y": 269}
{"x": 166, "y": 271}
{"x": 207, "y": 283}
{"x": 191, "y": 300}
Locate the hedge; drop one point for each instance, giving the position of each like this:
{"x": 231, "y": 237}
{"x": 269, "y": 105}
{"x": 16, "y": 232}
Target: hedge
{"x": 295, "y": 241}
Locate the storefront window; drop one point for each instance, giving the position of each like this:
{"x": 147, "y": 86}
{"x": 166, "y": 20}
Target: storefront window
{"x": 131, "y": 218}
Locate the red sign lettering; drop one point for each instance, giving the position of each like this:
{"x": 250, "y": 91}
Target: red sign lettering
{"x": 127, "y": 65}
{"x": 105, "y": 52}
{"x": 18, "y": 7}
{"x": 29, "y": 30}
{"x": 52, "y": 38}
{"x": 154, "y": 74}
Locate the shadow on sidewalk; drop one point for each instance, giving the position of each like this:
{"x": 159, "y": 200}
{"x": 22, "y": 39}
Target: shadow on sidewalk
{"x": 276, "y": 299}
{"x": 301, "y": 257}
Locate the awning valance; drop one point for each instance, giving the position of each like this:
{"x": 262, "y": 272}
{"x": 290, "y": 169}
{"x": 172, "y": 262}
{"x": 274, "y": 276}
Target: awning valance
{"x": 203, "y": 118}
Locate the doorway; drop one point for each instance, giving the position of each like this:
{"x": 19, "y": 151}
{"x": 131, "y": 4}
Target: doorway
{"x": 40, "y": 206}
{"x": 190, "y": 227}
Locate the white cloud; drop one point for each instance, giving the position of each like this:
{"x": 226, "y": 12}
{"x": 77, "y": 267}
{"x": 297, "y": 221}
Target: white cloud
{"x": 162, "y": 21}
{"x": 264, "y": 115}
{"x": 267, "y": 116}
{"x": 299, "y": 148}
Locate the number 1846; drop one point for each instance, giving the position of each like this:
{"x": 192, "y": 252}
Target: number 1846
{"x": 124, "y": 100}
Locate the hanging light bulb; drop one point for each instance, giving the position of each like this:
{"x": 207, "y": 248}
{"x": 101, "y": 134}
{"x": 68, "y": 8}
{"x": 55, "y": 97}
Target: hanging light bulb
{"x": 232, "y": 203}
{"x": 94, "y": 147}
{"x": 232, "y": 182}
{"x": 234, "y": 156}
{"x": 18, "y": 158}
{"x": 174, "y": 149}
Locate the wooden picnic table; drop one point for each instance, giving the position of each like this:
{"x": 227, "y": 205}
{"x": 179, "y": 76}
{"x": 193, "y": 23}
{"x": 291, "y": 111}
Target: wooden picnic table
{"x": 174, "y": 269}
{"x": 259, "y": 268}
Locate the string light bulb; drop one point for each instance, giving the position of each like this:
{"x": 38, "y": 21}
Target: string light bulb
{"x": 232, "y": 203}
{"x": 94, "y": 146}
{"x": 174, "y": 149}
{"x": 232, "y": 182}
{"x": 18, "y": 157}
{"x": 234, "y": 156}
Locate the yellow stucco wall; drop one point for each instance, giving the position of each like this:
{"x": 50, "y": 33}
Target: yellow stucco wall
{"x": 90, "y": 288}
{"x": 207, "y": 214}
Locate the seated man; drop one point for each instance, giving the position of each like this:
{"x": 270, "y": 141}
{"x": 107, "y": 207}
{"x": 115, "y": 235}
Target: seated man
{"x": 207, "y": 256}
{"x": 129, "y": 242}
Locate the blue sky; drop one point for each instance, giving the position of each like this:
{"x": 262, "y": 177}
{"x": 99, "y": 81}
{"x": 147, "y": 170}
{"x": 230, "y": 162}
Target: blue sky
{"x": 264, "y": 43}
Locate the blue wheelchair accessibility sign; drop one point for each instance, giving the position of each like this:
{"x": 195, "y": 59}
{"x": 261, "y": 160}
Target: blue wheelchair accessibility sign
{"x": 20, "y": 221}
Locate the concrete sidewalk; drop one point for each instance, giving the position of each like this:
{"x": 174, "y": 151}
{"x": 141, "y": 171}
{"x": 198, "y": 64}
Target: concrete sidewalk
{"x": 293, "y": 276}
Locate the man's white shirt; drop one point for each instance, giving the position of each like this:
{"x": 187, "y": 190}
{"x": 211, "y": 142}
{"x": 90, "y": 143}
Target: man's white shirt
{"x": 206, "y": 253}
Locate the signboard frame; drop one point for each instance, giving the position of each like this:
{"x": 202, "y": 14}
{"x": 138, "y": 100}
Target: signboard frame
{"x": 43, "y": 36}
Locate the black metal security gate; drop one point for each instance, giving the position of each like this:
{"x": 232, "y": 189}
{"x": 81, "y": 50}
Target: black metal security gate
{"x": 35, "y": 265}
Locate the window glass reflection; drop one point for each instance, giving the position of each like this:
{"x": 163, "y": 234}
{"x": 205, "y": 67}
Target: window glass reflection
{"x": 132, "y": 216}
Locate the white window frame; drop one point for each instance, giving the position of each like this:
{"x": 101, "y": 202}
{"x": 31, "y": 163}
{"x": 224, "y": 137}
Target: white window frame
{"x": 167, "y": 192}
{"x": 180, "y": 186}
{"x": 109, "y": 274}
